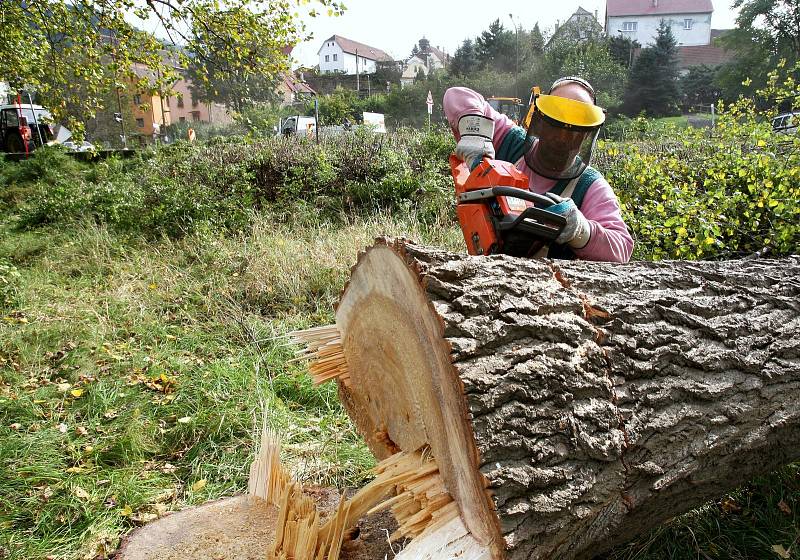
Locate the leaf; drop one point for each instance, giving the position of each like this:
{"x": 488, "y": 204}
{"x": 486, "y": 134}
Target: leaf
{"x": 784, "y": 507}
{"x": 185, "y": 420}
{"x": 80, "y": 493}
{"x": 780, "y": 551}
{"x": 199, "y": 485}
{"x": 126, "y": 511}
{"x": 76, "y": 393}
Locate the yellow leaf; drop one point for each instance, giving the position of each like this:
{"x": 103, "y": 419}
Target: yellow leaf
{"x": 126, "y": 511}
{"x": 80, "y": 493}
{"x": 780, "y": 551}
{"x": 76, "y": 393}
{"x": 199, "y": 485}
{"x": 185, "y": 420}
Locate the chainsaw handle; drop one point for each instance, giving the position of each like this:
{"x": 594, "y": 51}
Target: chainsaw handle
{"x": 538, "y": 199}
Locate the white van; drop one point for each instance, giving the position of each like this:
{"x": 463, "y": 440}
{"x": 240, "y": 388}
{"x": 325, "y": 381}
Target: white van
{"x": 297, "y": 125}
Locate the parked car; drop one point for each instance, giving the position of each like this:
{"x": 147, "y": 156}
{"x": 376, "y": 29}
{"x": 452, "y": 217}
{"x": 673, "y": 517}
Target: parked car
{"x": 786, "y": 123}
{"x": 30, "y": 125}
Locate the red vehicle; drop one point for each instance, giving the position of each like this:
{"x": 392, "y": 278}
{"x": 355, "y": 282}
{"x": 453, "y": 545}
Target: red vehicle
{"x": 28, "y": 126}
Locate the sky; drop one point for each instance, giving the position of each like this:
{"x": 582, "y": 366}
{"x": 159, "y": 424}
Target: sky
{"x": 397, "y": 25}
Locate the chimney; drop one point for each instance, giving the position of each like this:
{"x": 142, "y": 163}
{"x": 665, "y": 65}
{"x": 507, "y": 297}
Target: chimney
{"x": 595, "y": 16}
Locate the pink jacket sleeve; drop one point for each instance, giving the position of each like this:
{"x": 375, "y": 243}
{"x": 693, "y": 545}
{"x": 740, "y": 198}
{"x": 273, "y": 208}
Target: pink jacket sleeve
{"x": 610, "y": 240}
{"x": 460, "y": 101}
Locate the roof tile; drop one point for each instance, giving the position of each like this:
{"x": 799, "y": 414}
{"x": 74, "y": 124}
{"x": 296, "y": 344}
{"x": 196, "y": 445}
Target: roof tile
{"x": 659, "y": 7}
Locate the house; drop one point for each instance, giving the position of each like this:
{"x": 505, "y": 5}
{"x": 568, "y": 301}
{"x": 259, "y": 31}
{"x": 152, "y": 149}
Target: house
{"x": 426, "y": 59}
{"x": 580, "y": 27}
{"x": 338, "y": 54}
{"x": 704, "y": 55}
{"x": 153, "y": 113}
{"x": 639, "y": 20}
{"x": 293, "y": 89}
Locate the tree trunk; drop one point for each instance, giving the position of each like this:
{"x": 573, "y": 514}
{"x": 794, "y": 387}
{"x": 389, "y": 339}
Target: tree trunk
{"x": 571, "y": 405}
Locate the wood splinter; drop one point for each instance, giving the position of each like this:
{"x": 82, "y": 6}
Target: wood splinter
{"x": 323, "y": 347}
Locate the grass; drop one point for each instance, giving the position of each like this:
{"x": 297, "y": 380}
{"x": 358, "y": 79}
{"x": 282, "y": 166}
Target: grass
{"x": 135, "y": 373}
{"x": 134, "y": 376}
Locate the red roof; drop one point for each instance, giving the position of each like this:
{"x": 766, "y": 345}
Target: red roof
{"x": 350, "y": 46}
{"x": 657, "y": 7}
{"x": 703, "y": 54}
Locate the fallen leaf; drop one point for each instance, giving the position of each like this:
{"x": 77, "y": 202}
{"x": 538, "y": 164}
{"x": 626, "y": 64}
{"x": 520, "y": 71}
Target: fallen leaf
{"x": 81, "y": 431}
{"x": 126, "y": 511}
{"x": 64, "y": 387}
{"x": 47, "y": 494}
{"x": 199, "y": 485}
{"x": 167, "y": 468}
{"x": 729, "y": 505}
{"x": 784, "y": 507}
{"x": 80, "y": 493}
{"x": 76, "y": 470}
{"x": 185, "y": 420}
{"x": 160, "y": 509}
{"x": 62, "y": 428}
{"x": 76, "y": 393}
{"x": 780, "y": 551}
{"x": 15, "y": 426}
{"x": 143, "y": 517}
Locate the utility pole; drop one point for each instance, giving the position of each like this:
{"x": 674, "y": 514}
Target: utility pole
{"x": 358, "y": 76}
{"x": 516, "y": 63}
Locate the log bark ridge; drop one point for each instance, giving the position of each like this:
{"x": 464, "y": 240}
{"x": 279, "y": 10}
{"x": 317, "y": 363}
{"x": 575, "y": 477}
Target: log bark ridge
{"x": 571, "y": 405}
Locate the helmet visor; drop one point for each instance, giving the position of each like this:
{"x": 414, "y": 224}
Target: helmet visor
{"x": 562, "y": 135}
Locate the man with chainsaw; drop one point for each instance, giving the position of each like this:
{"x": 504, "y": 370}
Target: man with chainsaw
{"x": 554, "y": 152}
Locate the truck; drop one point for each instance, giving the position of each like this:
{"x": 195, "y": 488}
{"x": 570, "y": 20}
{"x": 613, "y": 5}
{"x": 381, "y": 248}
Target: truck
{"x": 24, "y": 128}
{"x": 300, "y": 126}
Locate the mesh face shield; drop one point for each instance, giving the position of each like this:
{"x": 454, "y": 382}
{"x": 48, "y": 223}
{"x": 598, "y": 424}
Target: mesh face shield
{"x": 562, "y": 134}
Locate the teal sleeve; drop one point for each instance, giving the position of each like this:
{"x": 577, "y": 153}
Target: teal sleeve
{"x": 513, "y": 146}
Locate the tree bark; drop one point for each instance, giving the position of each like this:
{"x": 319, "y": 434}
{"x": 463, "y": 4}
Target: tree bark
{"x": 571, "y": 405}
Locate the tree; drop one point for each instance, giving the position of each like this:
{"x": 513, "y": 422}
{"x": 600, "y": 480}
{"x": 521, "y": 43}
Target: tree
{"x": 699, "y": 86}
{"x": 52, "y": 45}
{"x": 465, "y": 59}
{"x": 536, "y": 40}
{"x": 494, "y": 48}
{"x": 622, "y": 49}
{"x": 653, "y": 87}
{"x": 766, "y": 32}
{"x": 568, "y": 405}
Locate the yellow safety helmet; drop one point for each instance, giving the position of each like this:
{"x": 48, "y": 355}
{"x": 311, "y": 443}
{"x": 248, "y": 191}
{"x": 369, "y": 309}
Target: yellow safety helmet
{"x": 562, "y": 132}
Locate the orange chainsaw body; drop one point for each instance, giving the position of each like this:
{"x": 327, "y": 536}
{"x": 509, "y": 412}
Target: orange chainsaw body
{"x": 476, "y": 218}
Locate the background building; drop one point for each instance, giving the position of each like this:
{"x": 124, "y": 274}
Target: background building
{"x": 338, "y": 54}
{"x": 639, "y": 20}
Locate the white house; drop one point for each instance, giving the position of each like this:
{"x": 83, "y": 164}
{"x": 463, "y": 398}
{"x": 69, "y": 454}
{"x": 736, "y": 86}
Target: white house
{"x": 338, "y": 54}
{"x": 427, "y": 59}
{"x": 639, "y": 20}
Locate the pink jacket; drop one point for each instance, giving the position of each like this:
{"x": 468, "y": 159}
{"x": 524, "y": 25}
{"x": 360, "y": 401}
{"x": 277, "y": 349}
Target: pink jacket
{"x": 610, "y": 240}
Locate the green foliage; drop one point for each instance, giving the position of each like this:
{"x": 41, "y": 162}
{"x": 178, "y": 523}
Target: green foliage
{"x": 653, "y": 86}
{"x": 699, "y": 86}
{"x": 9, "y": 284}
{"x": 182, "y": 188}
{"x": 73, "y": 53}
{"x": 691, "y": 196}
{"x": 495, "y": 48}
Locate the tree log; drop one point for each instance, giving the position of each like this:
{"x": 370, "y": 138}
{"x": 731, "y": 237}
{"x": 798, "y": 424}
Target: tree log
{"x": 571, "y": 405}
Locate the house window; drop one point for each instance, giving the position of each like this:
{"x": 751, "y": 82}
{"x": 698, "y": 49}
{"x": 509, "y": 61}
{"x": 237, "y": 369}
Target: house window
{"x": 180, "y": 101}
{"x": 137, "y": 99}
{"x": 335, "y": 57}
{"x": 629, "y": 26}
{"x": 182, "y": 119}
{"x": 140, "y": 123}
{"x": 687, "y": 24}
{"x": 195, "y": 103}
{"x": 327, "y": 58}
{"x": 196, "y": 116}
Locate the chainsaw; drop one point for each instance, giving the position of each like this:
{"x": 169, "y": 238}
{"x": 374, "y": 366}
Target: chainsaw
{"x": 497, "y": 212}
